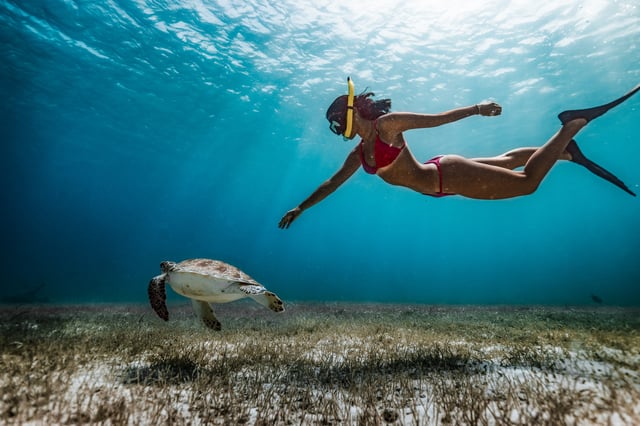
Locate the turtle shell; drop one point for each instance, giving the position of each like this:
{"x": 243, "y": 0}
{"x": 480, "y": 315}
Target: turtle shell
{"x": 215, "y": 269}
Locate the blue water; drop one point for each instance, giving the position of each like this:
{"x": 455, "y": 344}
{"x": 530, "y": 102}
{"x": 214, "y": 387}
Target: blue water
{"x": 140, "y": 131}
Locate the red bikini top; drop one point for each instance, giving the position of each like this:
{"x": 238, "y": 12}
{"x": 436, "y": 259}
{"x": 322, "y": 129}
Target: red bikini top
{"x": 383, "y": 153}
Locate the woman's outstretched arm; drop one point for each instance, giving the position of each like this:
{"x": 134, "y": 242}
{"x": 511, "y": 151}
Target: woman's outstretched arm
{"x": 398, "y": 122}
{"x": 351, "y": 164}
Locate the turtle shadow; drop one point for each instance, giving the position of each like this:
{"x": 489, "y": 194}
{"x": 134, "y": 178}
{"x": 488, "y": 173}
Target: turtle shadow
{"x": 161, "y": 372}
{"x": 181, "y": 369}
{"x": 413, "y": 366}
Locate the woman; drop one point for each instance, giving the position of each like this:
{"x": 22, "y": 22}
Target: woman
{"x": 383, "y": 151}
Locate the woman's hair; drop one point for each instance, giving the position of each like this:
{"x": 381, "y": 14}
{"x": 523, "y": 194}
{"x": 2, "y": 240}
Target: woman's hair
{"x": 368, "y": 108}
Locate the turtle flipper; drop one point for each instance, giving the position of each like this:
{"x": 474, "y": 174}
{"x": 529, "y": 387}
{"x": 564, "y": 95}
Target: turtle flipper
{"x": 263, "y": 296}
{"x": 205, "y": 313}
{"x": 158, "y": 296}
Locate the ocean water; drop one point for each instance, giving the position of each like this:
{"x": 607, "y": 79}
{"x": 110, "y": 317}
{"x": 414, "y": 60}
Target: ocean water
{"x": 140, "y": 131}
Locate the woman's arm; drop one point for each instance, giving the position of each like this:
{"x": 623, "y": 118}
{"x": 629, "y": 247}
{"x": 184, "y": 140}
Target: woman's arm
{"x": 351, "y": 164}
{"x": 401, "y": 121}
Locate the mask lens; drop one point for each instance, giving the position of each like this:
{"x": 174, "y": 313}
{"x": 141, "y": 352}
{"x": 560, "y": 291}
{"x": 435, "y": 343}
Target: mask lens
{"x": 336, "y": 127}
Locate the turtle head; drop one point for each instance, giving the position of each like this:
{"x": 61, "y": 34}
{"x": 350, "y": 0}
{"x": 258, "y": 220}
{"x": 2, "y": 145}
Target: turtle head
{"x": 167, "y": 266}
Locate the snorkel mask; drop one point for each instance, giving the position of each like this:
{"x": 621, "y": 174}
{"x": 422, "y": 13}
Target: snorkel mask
{"x": 340, "y": 123}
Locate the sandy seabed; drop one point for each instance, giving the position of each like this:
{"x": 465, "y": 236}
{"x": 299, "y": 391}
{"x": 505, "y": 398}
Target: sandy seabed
{"x": 320, "y": 364}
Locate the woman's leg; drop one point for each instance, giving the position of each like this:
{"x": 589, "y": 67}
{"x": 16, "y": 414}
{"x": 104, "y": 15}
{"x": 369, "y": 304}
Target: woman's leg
{"x": 546, "y": 156}
{"x": 488, "y": 181}
{"x": 509, "y": 160}
{"x": 515, "y": 158}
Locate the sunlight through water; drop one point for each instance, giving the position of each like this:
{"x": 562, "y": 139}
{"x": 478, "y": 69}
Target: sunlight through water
{"x": 136, "y": 131}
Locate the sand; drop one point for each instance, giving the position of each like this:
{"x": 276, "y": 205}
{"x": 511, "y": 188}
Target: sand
{"x": 321, "y": 363}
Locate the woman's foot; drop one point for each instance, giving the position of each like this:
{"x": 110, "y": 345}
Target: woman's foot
{"x": 578, "y": 157}
{"x": 595, "y": 112}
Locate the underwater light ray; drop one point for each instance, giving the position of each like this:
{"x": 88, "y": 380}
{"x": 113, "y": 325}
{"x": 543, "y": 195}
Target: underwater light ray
{"x": 197, "y": 111}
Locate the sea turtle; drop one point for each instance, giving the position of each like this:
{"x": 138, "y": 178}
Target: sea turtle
{"x": 206, "y": 281}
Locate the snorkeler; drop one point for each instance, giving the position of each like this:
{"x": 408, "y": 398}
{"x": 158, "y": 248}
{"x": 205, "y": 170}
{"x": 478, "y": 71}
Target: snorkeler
{"x": 383, "y": 151}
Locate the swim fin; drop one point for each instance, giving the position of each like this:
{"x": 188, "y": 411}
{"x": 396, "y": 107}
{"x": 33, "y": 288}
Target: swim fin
{"x": 578, "y": 157}
{"x": 595, "y": 112}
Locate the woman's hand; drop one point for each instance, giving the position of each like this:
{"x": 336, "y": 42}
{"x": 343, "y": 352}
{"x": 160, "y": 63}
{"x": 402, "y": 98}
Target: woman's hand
{"x": 489, "y": 109}
{"x": 289, "y": 217}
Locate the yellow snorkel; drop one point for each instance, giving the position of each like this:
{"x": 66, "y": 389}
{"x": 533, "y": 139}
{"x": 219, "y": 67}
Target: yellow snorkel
{"x": 347, "y": 132}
